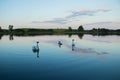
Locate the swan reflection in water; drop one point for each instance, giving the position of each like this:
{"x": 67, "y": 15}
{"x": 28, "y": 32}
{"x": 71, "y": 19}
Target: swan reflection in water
{"x": 83, "y": 50}
{"x": 35, "y": 49}
{"x": 87, "y": 50}
{"x": 73, "y": 45}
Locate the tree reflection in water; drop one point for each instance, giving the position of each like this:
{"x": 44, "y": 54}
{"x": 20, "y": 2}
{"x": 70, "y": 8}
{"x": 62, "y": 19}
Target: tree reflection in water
{"x": 1, "y": 35}
{"x": 11, "y": 37}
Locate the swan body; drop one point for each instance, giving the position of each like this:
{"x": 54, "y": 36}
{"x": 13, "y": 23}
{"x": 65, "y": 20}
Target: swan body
{"x": 60, "y": 43}
{"x": 36, "y": 48}
{"x": 73, "y": 44}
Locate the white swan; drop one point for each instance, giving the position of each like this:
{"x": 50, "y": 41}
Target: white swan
{"x": 36, "y": 48}
{"x": 59, "y": 43}
{"x": 73, "y": 44}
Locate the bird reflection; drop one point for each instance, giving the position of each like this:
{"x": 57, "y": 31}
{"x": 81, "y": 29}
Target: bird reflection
{"x": 60, "y": 43}
{"x": 35, "y": 49}
{"x": 73, "y": 45}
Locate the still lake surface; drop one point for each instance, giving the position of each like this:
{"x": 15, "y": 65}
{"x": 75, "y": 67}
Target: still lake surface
{"x": 92, "y": 58}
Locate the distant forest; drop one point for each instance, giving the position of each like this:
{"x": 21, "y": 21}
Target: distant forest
{"x": 69, "y": 31}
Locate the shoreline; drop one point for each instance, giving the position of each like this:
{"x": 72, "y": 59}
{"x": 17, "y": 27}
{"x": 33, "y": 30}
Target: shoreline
{"x": 32, "y": 31}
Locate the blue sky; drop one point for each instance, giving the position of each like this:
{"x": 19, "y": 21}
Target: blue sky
{"x": 60, "y": 13}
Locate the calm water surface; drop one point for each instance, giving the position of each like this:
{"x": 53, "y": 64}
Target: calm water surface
{"x": 92, "y": 58}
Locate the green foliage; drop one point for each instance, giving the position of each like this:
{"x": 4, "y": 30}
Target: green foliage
{"x": 0, "y": 28}
{"x": 10, "y": 27}
{"x": 70, "y": 28}
{"x": 80, "y": 28}
{"x": 59, "y": 31}
{"x": 80, "y": 31}
{"x": 31, "y": 31}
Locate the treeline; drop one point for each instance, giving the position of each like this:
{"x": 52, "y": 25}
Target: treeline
{"x": 103, "y": 31}
{"x": 94, "y": 31}
{"x": 24, "y": 31}
{"x": 80, "y": 31}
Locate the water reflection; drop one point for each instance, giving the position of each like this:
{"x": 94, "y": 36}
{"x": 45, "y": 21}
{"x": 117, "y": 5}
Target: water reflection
{"x": 75, "y": 48}
{"x": 86, "y": 50}
{"x": 35, "y": 49}
{"x": 1, "y": 35}
{"x": 69, "y": 35}
{"x": 80, "y": 35}
{"x": 73, "y": 45}
{"x": 89, "y": 50}
{"x": 60, "y": 62}
{"x": 83, "y": 50}
{"x": 11, "y": 37}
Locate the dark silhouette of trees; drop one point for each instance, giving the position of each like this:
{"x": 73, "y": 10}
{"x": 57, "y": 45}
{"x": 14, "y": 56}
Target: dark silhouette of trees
{"x": 1, "y": 31}
{"x": 104, "y": 31}
{"x": 100, "y": 30}
{"x": 10, "y": 27}
{"x": 70, "y": 28}
{"x": 0, "y": 28}
{"x": 80, "y": 31}
{"x": 80, "y": 28}
{"x": 94, "y": 29}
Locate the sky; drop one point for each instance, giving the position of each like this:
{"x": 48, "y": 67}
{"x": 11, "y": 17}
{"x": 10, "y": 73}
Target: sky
{"x": 60, "y": 13}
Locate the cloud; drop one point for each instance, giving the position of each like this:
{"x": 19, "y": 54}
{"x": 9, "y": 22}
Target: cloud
{"x": 73, "y": 14}
{"x": 55, "y": 20}
{"x": 86, "y": 13}
{"x": 104, "y": 10}
{"x": 109, "y": 25}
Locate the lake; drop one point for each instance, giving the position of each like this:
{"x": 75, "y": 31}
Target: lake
{"x": 90, "y": 58}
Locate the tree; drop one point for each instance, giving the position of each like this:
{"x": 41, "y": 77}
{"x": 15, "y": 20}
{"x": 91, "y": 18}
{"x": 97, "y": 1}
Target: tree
{"x": 0, "y": 28}
{"x": 10, "y": 27}
{"x": 94, "y": 29}
{"x": 80, "y": 28}
{"x": 69, "y": 28}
